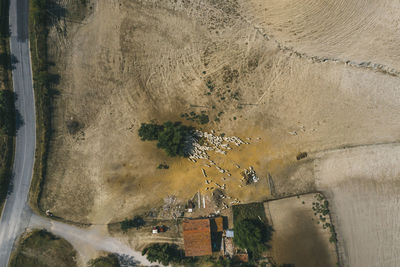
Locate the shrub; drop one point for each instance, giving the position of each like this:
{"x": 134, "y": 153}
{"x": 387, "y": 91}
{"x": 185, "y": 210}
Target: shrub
{"x": 137, "y": 222}
{"x": 111, "y": 260}
{"x": 253, "y": 235}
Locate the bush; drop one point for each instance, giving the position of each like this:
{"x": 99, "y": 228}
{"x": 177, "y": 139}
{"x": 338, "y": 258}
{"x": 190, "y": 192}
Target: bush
{"x": 163, "y": 253}
{"x": 137, "y": 222}
{"x": 253, "y": 235}
{"x": 111, "y": 260}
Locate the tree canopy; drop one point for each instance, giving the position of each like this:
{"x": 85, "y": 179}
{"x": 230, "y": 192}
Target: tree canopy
{"x": 163, "y": 253}
{"x": 171, "y": 136}
{"x": 253, "y": 235}
{"x": 137, "y": 222}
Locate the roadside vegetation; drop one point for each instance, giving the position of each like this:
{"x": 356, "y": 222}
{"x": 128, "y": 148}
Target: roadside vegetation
{"x": 171, "y": 255}
{"x": 7, "y": 108}
{"x": 41, "y": 248}
{"x": 111, "y": 260}
{"x": 170, "y": 136}
{"x": 42, "y": 83}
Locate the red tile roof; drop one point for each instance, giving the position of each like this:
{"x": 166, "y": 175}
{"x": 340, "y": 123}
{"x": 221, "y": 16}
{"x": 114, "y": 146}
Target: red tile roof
{"x": 197, "y": 237}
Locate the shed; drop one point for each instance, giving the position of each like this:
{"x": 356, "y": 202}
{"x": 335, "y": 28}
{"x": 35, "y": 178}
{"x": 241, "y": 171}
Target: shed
{"x": 229, "y": 233}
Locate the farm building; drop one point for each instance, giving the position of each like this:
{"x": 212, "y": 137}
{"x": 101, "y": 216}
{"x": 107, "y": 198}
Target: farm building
{"x": 197, "y": 237}
{"x": 202, "y": 236}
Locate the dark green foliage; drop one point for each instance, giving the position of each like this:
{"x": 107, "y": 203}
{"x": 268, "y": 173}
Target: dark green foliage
{"x": 163, "y": 166}
{"x": 163, "y": 253}
{"x": 111, "y": 260}
{"x": 203, "y": 119}
{"x": 136, "y": 222}
{"x": 171, "y": 136}
{"x": 253, "y": 235}
{"x": 248, "y": 211}
{"x": 7, "y": 113}
{"x": 321, "y": 209}
{"x": 149, "y": 131}
{"x": 199, "y": 118}
{"x": 4, "y": 29}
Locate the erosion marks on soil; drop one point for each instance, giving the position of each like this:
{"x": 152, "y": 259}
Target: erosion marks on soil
{"x": 324, "y": 33}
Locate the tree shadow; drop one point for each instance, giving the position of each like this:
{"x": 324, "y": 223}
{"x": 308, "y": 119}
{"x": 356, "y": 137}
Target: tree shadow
{"x": 13, "y": 62}
{"x": 127, "y": 260}
{"x": 55, "y": 12}
{"x": 19, "y": 120}
{"x": 8, "y": 61}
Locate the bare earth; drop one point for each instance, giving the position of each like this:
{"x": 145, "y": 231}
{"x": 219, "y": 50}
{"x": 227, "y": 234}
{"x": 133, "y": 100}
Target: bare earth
{"x": 298, "y": 238}
{"x": 288, "y": 72}
{"x": 364, "y": 187}
{"x": 135, "y": 61}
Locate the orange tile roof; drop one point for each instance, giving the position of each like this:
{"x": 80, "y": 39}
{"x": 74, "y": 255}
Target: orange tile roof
{"x": 197, "y": 237}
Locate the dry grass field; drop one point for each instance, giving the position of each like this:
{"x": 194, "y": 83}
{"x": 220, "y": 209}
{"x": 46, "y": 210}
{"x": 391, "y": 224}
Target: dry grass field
{"x": 134, "y": 61}
{"x": 298, "y": 237}
{"x": 364, "y": 188}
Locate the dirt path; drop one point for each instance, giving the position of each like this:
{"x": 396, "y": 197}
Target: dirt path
{"x": 88, "y": 242}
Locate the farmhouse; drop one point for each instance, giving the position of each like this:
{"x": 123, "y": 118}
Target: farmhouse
{"x": 202, "y": 236}
{"x": 197, "y": 237}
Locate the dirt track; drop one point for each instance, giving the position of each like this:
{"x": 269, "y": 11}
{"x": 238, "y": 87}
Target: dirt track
{"x": 133, "y": 61}
{"x": 354, "y": 30}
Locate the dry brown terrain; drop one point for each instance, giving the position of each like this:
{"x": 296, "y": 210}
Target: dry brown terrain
{"x": 298, "y": 238}
{"x": 133, "y": 61}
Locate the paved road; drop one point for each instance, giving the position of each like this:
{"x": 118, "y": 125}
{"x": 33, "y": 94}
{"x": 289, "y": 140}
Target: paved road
{"x": 16, "y": 212}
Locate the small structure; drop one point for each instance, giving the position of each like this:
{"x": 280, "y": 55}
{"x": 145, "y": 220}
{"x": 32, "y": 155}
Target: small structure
{"x": 229, "y": 233}
{"x": 197, "y": 237}
{"x": 155, "y": 230}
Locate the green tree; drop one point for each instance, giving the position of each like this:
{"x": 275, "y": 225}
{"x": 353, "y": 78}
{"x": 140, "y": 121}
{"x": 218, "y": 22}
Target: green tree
{"x": 253, "y": 235}
{"x": 171, "y": 136}
{"x": 137, "y": 222}
{"x": 163, "y": 253}
{"x": 149, "y": 131}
